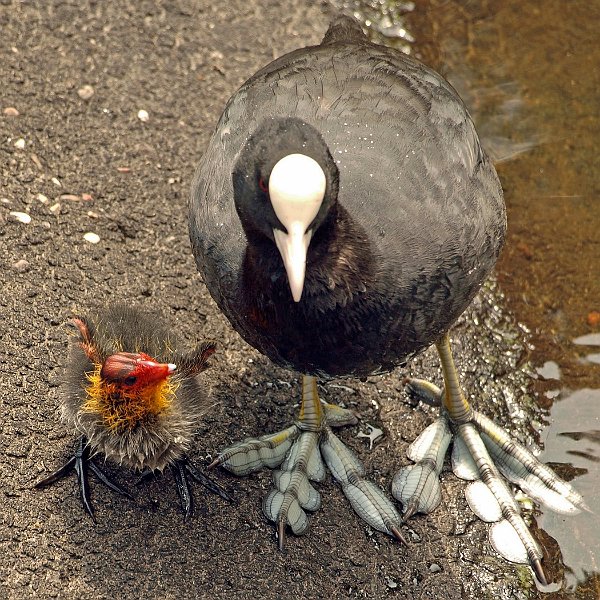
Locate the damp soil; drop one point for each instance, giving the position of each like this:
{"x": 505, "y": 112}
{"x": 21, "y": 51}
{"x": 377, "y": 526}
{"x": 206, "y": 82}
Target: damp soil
{"x": 80, "y": 163}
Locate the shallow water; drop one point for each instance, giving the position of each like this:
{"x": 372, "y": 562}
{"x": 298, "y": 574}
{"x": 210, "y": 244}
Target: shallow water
{"x": 529, "y": 74}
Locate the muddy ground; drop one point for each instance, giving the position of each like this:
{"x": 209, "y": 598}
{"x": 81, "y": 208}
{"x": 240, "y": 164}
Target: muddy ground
{"x": 77, "y": 163}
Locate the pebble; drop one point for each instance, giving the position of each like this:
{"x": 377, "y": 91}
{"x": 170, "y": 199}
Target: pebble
{"x": 143, "y": 116}
{"x": 92, "y": 238}
{"x": 85, "y": 92}
{"x": 92, "y": 215}
{"x": 549, "y": 370}
{"x": 20, "y": 216}
{"x": 21, "y": 266}
{"x": 434, "y": 568}
{"x": 55, "y": 208}
{"x": 43, "y": 199}
{"x": 593, "y": 318}
{"x": 55, "y": 181}
{"x": 20, "y": 144}
{"x": 391, "y": 583}
{"x": 11, "y": 111}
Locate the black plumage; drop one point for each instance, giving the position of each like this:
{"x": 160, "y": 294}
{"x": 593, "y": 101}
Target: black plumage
{"x": 133, "y": 397}
{"x": 344, "y": 215}
{"x": 411, "y": 225}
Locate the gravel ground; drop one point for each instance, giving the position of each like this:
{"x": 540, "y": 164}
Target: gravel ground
{"x": 78, "y": 157}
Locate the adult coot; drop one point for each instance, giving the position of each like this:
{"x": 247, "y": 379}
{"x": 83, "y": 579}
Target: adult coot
{"x": 343, "y": 216}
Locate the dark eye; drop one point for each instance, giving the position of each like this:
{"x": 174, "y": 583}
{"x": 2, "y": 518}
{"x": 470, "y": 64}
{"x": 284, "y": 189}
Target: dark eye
{"x": 262, "y": 185}
{"x": 130, "y": 380}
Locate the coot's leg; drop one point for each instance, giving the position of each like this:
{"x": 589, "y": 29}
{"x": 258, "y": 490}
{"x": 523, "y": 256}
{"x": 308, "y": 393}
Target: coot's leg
{"x": 81, "y": 462}
{"x": 299, "y": 451}
{"x": 481, "y": 451}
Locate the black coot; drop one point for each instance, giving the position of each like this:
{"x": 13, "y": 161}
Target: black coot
{"x": 343, "y": 216}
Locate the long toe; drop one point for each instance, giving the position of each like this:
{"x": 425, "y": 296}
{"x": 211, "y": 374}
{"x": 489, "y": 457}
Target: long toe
{"x": 58, "y": 474}
{"x": 293, "y": 494}
{"x": 369, "y": 501}
{"x": 206, "y": 481}
{"x": 183, "y": 488}
{"x": 522, "y": 468}
{"x": 99, "y": 473}
{"x": 492, "y": 500}
{"x": 253, "y": 454}
{"x": 417, "y": 486}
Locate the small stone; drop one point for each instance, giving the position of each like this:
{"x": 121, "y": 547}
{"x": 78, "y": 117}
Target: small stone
{"x": 55, "y": 181}
{"x": 593, "y": 318}
{"x": 85, "y": 92}
{"x": 171, "y": 180}
{"x": 391, "y": 583}
{"x": 11, "y": 111}
{"x": 434, "y": 568}
{"x": 20, "y": 216}
{"x": 143, "y": 116}
{"x": 43, "y": 199}
{"x": 55, "y": 208}
{"x": 92, "y": 238}
{"x": 5, "y": 201}
{"x": 92, "y": 215}
{"x": 21, "y": 266}
{"x": 20, "y": 144}
{"x": 549, "y": 370}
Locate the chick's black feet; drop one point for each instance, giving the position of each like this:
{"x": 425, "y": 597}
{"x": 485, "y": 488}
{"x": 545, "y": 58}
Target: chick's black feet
{"x": 486, "y": 455}
{"x": 297, "y": 455}
{"x": 81, "y": 462}
{"x": 183, "y": 470}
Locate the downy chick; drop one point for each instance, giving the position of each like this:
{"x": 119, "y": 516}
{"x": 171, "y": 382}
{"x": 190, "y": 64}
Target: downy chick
{"x": 135, "y": 399}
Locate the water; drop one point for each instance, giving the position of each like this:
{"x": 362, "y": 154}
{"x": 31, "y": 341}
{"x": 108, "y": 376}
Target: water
{"x": 573, "y": 438}
{"x": 529, "y": 73}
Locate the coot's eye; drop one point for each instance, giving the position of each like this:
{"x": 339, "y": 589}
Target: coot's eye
{"x": 130, "y": 380}
{"x": 262, "y": 185}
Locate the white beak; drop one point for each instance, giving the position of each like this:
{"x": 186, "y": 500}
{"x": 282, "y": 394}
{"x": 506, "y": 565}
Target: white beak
{"x": 293, "y": 247}
{"x": 296, "y": 188}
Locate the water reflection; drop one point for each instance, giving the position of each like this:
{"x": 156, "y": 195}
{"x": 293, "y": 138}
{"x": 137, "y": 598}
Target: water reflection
{"x": 573, "y": 438}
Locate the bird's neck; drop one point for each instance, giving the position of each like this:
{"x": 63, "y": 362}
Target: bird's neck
{"x": 340, "y": 264}
{"x": 123, "y": 409}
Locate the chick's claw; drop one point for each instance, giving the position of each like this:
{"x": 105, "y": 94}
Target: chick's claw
{"x": 182, "y": 470}
{"x": 81, "y": 462}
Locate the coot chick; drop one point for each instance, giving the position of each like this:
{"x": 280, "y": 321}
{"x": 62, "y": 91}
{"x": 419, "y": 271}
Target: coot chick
{"x": 135, "y": 399}
{"x": 343, "y": 216}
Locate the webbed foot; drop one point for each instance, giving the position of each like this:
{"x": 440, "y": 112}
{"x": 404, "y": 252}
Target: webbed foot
{"x": 482, "y": 453}
{"x": 299, "y": 454}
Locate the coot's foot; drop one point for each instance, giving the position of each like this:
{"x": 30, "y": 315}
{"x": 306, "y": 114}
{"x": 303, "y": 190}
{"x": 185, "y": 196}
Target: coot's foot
{"x": 298, "y": 452}
{"x": 81, "y": 462}
{"x": 481, "y": 451}
{"x": 182, "y": 470}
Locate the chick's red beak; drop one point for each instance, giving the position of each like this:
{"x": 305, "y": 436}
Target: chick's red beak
{"x": 135, "y": 370}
